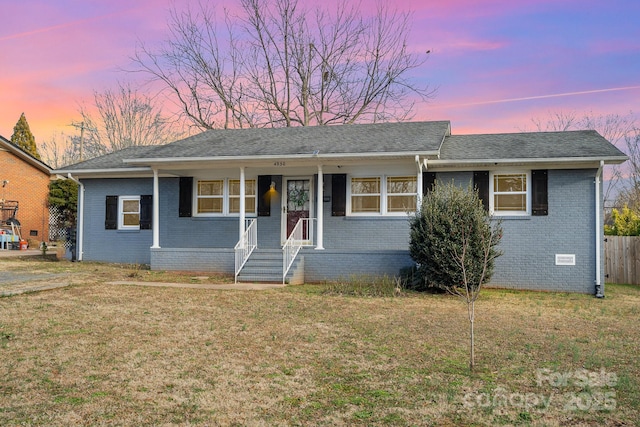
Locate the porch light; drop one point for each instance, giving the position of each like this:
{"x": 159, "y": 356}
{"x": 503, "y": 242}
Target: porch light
{"x": 272, "y": 187}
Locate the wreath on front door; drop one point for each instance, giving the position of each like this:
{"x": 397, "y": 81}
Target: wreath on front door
{"x": 298, "y": 197}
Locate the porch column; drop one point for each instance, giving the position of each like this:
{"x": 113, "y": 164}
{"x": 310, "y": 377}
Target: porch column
{"x": 320, "y": 208}
{"x": 420, "y": 184}
{"x": 155, "y": 218}
{"x": 241, "y": 202}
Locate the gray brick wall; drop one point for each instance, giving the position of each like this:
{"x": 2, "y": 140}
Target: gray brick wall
{"x": 355, "y": 245}
{"x": 529, "y": 244}
{"x": 122, "y": 246}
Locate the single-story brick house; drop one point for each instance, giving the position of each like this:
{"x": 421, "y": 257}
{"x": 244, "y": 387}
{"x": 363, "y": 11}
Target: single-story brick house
{"x": 24, "y": 181}
{"x": 333, "y": 201}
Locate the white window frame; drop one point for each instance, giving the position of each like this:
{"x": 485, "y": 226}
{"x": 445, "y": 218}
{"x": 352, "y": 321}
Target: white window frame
{"x": 121, "y": 213}
{"x": 383, "y": 194}
{"x": 379, "y": 194}
{"x": 527, "y": 211}
{"x": 225, "y": 198}
{"x": 387, "y": 194}
{"x": 197, "y": 197}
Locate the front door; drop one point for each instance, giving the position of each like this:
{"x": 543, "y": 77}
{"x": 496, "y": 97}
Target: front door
{"x": 297, "y": 204}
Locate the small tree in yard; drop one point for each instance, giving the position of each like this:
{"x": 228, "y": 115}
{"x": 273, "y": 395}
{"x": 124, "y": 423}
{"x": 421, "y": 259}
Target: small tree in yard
{"x": 453, "y": 241}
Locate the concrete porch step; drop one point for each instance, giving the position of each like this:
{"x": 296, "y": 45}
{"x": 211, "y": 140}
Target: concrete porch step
{"x": 265, "y": 266}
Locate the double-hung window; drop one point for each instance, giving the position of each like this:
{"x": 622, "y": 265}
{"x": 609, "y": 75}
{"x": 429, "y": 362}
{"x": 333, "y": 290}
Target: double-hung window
{"x": 510, "y": 193}
{"x": 402, "y": 193}
{"x": 365, "y": 195}
{"x": 129, "y": 213}
{"x": 210, "y": 196}
{"x": 249, "y": 196}
{"x": 222, "y": 196}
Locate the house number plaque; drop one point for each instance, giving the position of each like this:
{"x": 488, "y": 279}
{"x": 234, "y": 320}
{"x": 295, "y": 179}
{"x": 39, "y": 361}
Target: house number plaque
{"x": 278, "y": 163}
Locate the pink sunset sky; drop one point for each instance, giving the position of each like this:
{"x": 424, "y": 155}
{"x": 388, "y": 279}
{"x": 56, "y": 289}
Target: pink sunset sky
{"x": 496, "y": 64}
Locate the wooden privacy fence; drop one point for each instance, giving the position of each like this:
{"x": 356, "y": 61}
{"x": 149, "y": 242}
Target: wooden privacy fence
{"x": 622, "y": 259}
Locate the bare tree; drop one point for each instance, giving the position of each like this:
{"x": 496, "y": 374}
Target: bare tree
{"x": 124, "y": 118}
{"x": 117, "y": 119}
{"x": 278, "y": 63}
{"x": 615, "y": 128}
{"x": 629, "y": 194}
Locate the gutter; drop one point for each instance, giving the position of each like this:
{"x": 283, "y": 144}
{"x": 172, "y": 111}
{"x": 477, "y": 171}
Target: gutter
{"x": 271, "y": 157}
{"x": 80, "y": 216}
{"x": 599, "y": 285}
{"x": 496, "y": 162}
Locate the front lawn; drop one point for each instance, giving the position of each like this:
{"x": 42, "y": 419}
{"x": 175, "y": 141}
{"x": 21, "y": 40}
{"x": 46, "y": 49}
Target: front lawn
{"x": 96, "y": 354}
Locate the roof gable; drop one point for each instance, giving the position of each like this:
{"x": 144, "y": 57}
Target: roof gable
{"x": 7, "y": 145}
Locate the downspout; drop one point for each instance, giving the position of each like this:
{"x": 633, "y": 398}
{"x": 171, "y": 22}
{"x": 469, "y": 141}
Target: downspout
{"x": 599, "y": 285}
{"x": 80, "y": 216}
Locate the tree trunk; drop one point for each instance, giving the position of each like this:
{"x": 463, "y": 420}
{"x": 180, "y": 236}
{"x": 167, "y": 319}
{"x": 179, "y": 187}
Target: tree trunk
{"x": 471, "y": 308}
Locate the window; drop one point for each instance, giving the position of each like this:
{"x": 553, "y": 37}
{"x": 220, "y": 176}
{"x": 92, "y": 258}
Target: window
{"x": 129, "y": 212}
{"x": 222, "y": 197}
{"x": 383, "y": 195}
{"x": 365, "y": 195}
{"x": 210, "y": 196}
{"x": 510, "y": 193}
{"x": 401, "y": 193}
{"x": 249, "y": 196}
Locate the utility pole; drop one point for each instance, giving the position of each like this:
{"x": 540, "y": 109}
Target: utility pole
{"x": 80, "y": 125}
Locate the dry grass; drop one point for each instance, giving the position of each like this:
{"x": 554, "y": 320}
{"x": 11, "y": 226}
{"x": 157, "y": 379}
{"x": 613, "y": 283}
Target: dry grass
{"x": 96, "y": 354}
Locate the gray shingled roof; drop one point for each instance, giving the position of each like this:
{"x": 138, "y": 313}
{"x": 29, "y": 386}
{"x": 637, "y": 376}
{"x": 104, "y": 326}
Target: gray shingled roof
{"x": 409, "y": 137}
{"x": 113, "y": 160}
{"x": 532, "y": 145}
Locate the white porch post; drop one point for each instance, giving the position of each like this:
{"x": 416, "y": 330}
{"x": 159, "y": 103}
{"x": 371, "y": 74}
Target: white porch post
{"x": 420, "y": 183}
{"x": 241, "y": 202}
{"x": 155, "y": 218}
{"x": 320, "y": 208}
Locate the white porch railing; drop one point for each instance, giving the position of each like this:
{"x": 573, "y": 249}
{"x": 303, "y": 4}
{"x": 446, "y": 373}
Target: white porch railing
{"x": 246, "y": 245}
{"x": 301, "y": 235}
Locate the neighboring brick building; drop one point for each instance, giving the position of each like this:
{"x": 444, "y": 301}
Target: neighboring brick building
{"x": 28, "y": 184}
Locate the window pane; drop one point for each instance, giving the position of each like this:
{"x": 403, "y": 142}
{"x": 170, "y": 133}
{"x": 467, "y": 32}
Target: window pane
{"x": 131, "y": 219}
{"x": 210, "y": 188}
{"x": 401, "y": 203}
{"x": 234, "y": 205}
{"x": 249, "y": 187}
{"x": 402, "y": 184}
{"x": 365, "y": 204}
{"x": 365, "y": 185}
{"x": 234, "y": 187}
{"x": 510, "y": 182}
{"x": 131, "y": 206}
{"x": 210, "y": 205}
{"x": 510, "y": 202}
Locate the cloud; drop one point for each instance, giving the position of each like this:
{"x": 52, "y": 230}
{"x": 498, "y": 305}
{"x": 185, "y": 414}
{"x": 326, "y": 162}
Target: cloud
{"x": 553, "y": 95}
{"x": 62, "y": 26}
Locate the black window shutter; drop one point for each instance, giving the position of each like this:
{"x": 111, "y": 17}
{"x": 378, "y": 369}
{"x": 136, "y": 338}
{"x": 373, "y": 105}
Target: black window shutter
{"x": 338, "y": 194}
{"x": 146, "y": 212}
{"x": 428, "y": 180}
{"x": 481, "y": 183}
{"x": 185, "y": 197}
{"x": 264, "y": 198}
{"x": 539, "y": 193}
{"x": 111, "y": 215}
